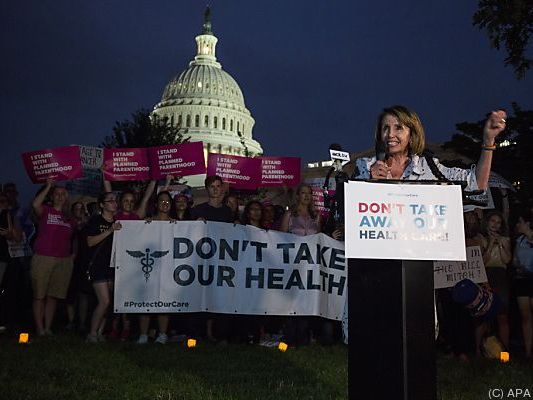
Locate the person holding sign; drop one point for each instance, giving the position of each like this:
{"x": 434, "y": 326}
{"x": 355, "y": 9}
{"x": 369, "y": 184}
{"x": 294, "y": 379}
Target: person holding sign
{"x": 496, "y": 250}
{"x": 51, "y": 265}
{"x": 100, "y": 230}
{"x": 127, "y": 210}
{"x": 213, "y": 210}
{"x": 302, "y": 219}
{"x": 400, "y": 142}
{"x": 164, "y": 210}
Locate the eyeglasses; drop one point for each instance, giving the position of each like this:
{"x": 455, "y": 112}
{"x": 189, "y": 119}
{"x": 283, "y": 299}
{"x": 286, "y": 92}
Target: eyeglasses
{"x": 164, "y": 201}
{"x": 110, "y": 201}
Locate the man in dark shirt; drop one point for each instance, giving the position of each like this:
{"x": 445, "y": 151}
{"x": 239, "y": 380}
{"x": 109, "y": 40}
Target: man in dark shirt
{"x": 214, "y": 209}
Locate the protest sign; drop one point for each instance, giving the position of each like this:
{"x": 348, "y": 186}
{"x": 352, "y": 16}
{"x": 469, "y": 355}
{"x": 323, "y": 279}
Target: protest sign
{"x": 484, "y": 198}
{"x": 448, "y": 273}
{"x": 128, "y": 164}
{"x": 59, "y": 164}
{"x": 225, "y": 268}
{"x": 404, "y": 221}
{"x": 239, "y": 172}
{"x": 280, "y": 171}
{"x": 178, "y": 159}
{"x": 318, "y": 195}
{"x": 92, "y": 159}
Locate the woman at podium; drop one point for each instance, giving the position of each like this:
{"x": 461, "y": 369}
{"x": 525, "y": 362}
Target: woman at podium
{"x": 400, "y": 142}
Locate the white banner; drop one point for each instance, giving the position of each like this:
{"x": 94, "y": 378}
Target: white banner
{"x": 224, "y": 268}
{"x": 448, "y": 273}
{"x": 404, "y": 221}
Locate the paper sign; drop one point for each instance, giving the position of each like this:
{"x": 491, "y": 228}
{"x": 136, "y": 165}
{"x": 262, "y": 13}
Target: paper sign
{"x": 280, "y": 171}
{"x": 485, "y": 198}
{"x": 239, "y": 172}
{"x": 178, "y": 159}
{"x": 318, "y": 195}
{"x": 448, "y": 273}
{"x": 59, "y": 164}
{"x": 404, "y": 221}
{"x": 126, "y": 164}
{"x": 92, "y": 159}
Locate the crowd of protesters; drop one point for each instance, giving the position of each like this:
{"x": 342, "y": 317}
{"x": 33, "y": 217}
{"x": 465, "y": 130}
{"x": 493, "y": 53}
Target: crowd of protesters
{"x": 68, "y": 250}
{"x": 505, "y": 239}
{"x": 55, "y": 256}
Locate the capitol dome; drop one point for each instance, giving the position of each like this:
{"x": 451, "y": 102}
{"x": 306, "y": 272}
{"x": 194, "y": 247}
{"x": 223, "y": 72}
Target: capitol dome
{"x": 208, "y": 103}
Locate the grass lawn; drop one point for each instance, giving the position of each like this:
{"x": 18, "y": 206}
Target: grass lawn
{"x": 64, "y": 367}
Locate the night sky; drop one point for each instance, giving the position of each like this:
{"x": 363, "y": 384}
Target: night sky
{"x": 312, "y": 72}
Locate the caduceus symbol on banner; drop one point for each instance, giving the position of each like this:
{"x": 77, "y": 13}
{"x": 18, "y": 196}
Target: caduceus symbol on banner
{"x": 147, "y": 259}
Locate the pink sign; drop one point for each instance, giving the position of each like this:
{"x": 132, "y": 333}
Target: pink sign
{"x": 177, "y": 159}
{"x": 126, "y": 164}
{"x": 280, "y": 171}
{"x": 59, "y": 164}
{"x": 318, "y": 200}
{"x": 239, "y": 172}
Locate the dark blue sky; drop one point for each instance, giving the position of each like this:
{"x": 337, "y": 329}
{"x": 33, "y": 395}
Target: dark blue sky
{"x": 312, "y": 72}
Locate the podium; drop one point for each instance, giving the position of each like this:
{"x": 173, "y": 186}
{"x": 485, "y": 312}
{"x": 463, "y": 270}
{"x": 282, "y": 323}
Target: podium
{"x": 391, "y": 326}
{"x": 390, "y": 284}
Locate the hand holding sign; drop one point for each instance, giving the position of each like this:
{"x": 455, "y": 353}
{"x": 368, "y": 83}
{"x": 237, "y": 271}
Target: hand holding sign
{"x": 60, "y": 164}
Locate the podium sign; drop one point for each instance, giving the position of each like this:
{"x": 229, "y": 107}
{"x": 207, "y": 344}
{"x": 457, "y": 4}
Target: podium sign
{"x": 403, "y": 221}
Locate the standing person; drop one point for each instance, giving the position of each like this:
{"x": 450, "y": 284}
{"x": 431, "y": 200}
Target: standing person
{"x": 400, "y": 138}
{"x": 399, "y": 132}
{"x": 253, "y": 214}
{"x": 79, "y": 217}
{"x": 7, "y": 232}
{"x": 164, "y": 211}
{"x": 232, "y": 202}
{"x": 51, "y": 265}
{"x": 100, "y": 229}
{"x": 523, "y": 262}
{"x": 182, "y": 207}
{"x": 496, "y": 251}
{"x": 214, "y": 210}
{"x": 128, "y": 211}
{"x": 269, "y": 215}
{"x": 18, "y": 280}
{"x": 302, "y": 219}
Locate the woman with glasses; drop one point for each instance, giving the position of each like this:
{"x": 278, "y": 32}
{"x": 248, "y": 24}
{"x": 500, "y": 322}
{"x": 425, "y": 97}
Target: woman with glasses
{"x": 100, "y": 231}
{"x": 164, "y": 210}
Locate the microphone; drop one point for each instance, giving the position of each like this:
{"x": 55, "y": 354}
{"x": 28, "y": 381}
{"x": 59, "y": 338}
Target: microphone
{"x": 381, "y": 154}
{"x": 339, "y": 157}
{"x": 381, "y": 151}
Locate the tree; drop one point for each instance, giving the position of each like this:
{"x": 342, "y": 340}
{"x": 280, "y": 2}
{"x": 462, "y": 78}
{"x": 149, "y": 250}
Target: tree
{"x": 508, "y": 23}
{"x": 514, "y": 157}
{"x": 144, "y": 130}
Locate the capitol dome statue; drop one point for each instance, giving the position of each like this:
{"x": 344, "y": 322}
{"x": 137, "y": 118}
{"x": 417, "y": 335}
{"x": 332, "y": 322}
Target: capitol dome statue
{"x": 208, "y": 104}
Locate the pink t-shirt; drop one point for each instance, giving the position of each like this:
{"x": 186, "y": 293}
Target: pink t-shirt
{"x": 121, "y": 216}
{"x": 55, "y": 234}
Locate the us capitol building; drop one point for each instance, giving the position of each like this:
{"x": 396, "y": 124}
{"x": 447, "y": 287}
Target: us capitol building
{"x": 208, "y": 104}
